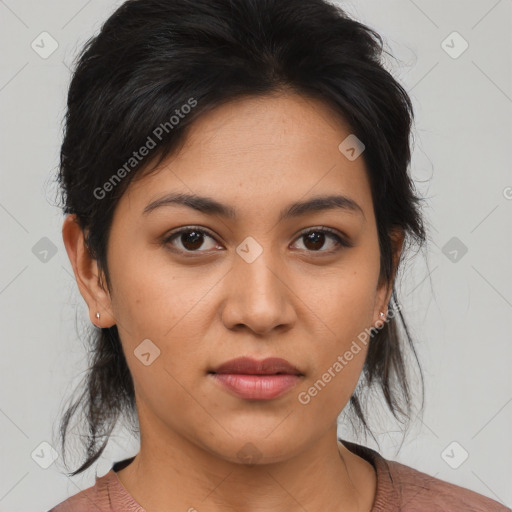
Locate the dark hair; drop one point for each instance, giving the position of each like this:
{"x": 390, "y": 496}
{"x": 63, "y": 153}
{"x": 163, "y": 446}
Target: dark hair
{"x": 153, "y": 57}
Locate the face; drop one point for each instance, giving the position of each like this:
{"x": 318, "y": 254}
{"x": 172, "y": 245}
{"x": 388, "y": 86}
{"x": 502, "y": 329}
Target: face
{"x": 193, "y": 287}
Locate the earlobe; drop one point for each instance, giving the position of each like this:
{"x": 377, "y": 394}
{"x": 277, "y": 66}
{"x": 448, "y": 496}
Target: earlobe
{"x": 397, "y": 236}
{"x": 86, "y": 273}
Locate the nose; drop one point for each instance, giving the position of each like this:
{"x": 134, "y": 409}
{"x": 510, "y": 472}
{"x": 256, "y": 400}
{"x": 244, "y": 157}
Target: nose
{"x": 258, "y": 297}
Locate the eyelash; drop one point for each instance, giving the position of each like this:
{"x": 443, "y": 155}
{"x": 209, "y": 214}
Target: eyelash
{"x": 342, "y": 243}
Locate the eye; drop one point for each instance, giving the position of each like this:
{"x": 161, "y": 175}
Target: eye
{"x": 191, "y": 239}
{"x": 315, "y": 239}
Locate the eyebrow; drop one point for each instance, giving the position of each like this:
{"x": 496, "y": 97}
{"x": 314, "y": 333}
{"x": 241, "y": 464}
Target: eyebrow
{"x": 210, "y": 206}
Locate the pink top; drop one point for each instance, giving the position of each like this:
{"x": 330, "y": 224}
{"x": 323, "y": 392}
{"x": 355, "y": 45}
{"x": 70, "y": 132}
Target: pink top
{"x": 399, "y": 488}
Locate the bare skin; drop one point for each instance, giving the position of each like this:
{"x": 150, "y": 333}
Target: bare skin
{"x": 203, "y": 304}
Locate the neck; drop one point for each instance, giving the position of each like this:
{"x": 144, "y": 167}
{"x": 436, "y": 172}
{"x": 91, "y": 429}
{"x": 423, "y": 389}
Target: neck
{"x": 171, "y": 472}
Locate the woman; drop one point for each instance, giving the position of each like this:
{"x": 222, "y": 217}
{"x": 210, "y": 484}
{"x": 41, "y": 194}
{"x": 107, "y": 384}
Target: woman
{"x": 234, "y": 175}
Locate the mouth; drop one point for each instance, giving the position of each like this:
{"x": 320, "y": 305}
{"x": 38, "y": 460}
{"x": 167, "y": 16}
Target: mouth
{"x": 249, "y": 366}
{"x": 250, "y": 379}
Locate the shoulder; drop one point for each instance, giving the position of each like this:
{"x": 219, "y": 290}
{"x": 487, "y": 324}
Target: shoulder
{"x": 418, "y": 491}
{"x": 107, "y": 495}
{"x": 95, "y": 498}
{"x": 403, "y": 488}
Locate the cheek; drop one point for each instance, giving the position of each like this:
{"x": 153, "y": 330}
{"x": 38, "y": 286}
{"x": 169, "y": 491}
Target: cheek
{"x": 340, "y": 352}
{"x": 151, "y": 297}
{"x": 342, "y": 301}
{"x": 164, "y": 307}
{"x": 341, "y": 305}
{"x": 169, "y": 307}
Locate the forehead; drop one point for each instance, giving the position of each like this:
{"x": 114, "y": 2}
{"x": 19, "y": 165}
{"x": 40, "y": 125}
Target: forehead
{"x": 255, "y": 152}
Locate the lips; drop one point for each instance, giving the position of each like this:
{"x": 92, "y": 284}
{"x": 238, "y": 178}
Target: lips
{"x": 249, "y": 366}
{"x": 250, "y": 379}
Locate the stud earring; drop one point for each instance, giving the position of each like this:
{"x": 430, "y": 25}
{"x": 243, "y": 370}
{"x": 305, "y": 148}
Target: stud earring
{"x": 97, "y": 315}
{"x": 382, "y": 314}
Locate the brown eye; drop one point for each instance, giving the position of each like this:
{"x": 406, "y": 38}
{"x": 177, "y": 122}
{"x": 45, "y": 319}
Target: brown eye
{"x": 195, "y": 240}
{"x": 191, "y": 239}
{"x": 316, "y": 238}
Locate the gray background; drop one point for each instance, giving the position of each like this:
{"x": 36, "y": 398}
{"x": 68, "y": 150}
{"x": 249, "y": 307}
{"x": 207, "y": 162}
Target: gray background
{"x": 458, "y": 306}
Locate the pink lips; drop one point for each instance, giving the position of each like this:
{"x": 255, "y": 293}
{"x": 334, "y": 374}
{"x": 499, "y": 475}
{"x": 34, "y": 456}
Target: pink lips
{"x": 257, "y": 380}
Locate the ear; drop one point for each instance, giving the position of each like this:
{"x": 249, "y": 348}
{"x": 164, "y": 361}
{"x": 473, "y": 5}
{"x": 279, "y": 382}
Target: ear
{"x": 86, "y": 273}
{"x": 385, "y": 289}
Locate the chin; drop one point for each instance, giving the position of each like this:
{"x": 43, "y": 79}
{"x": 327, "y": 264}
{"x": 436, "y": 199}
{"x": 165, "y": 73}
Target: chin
{"x": 255, "y": 449}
